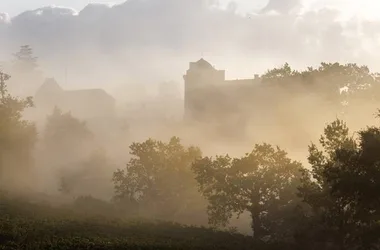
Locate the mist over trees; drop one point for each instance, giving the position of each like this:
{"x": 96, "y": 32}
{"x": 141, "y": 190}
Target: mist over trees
{"x": 65, "y": 136}
{"x": 25, "y": 72}
{"x": 25, "y": 61}
{"x": 330, "y": 203}
{"x": 158, "y": 179}
{"x": 18, "y": 136}
{"x": 341, "y": 86}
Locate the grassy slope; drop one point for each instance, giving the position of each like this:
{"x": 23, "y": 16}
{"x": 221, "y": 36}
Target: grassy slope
{"x": 31, "y": 226}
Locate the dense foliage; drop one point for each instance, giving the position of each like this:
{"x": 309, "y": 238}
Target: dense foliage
{"x": 158, "y": 179}
{"x": 343, "y": 191}
{"x": 17, "y": 136}
{"x": 65, "y": 133}
{"x": 263, "y": 182}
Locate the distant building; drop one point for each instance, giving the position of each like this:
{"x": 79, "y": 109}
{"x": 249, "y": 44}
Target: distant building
{"x": 84, "y": 104}
{"x": 209, "y": 97}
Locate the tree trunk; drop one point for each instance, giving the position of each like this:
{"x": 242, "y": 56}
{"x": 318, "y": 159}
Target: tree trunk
{"x": 258, "y": 232}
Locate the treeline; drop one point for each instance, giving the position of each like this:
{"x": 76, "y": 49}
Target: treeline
{"x": 333, "y": 203}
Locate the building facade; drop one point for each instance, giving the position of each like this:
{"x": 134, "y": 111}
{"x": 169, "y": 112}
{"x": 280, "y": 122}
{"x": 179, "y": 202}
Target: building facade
{"x": 84, "y": 104}
{"x": 209, "y": 97}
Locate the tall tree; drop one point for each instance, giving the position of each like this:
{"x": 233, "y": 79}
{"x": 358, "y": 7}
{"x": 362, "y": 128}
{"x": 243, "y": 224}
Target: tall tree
{"x": 25, "y": 61}
{"x": 26, "y": 77}
{"x": 262, "y": 183}
{"x": 342, "y": 185}
{"x": 17, "y": 136}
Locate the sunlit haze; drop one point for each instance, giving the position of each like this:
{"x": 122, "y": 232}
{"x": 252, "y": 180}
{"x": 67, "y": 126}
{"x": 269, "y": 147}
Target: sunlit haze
{"x": 246, "y": 44}
{"x": 193, "y": 111}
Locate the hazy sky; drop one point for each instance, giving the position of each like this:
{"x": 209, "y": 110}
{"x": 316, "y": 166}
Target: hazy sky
{"x": 14, "y": 7}
{"x": 162, "y": 36}
{"x": 367, "y": 8}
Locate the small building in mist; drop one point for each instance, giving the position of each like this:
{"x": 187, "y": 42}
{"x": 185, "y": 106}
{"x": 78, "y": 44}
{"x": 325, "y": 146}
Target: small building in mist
{"x": 85, "y": 104}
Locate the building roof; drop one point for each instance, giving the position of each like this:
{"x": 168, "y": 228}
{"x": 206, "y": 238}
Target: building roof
{"x": 87, "y": 94}
{"x": 202, "y": 63}
{"x": 50, "y": 86}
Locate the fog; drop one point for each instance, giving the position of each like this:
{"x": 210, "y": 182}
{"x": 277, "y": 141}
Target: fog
{"x": 138, "y": 53}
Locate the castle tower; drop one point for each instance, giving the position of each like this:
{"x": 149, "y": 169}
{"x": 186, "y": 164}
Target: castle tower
{"x": 200, "y": 78}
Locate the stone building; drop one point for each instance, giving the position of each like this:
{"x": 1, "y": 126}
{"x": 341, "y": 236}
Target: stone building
{"x": 269, "y": 110}
{"x": 209, "y": 97}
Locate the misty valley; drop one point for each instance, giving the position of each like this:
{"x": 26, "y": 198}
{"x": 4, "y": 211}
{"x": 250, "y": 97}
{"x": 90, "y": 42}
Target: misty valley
{"x": 286, "y": 160}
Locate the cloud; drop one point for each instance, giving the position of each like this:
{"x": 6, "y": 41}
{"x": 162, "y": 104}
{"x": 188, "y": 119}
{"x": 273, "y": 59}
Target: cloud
{"x": 4, "y": 18}
{"x": 153, "y": 40}
{"x": 282, "y": 6}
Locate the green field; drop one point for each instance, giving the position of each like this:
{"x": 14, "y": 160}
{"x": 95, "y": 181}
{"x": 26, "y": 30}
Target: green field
{"x": 24, "y": 225}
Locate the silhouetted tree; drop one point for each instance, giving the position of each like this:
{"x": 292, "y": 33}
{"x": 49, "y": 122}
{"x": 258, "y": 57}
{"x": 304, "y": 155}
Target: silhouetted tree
{"x": 263, "y": 183}
{"x": 342, "y": 186}
{"x": 328, "y": 80}
{"x": 159, "y": 178}
{"x": 278, "y": 74}
{"x": 17, "y": 136}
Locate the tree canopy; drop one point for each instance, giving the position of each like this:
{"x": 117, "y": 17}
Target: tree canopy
{"x": 336, "y": 82}
{"x": 159, "y": 177}
{"x": 25, "y": 61}
{"x": 66, "y": 138}
{"x": 263, "y": 183}
{"x": 342, "y": 185}
{"x": 17, "y": 136}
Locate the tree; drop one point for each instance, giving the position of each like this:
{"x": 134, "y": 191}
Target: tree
{"x": 342, "y": 185}
{"x": 328, "y": 80}
{"x": 278, "y": 74}
{"x": 17, "y": 136}
{"x": 89, "y": 177}
{"x": 25, "y": 61}
{"x": 315, "y": 190}
{"x": 66, "y": 138}
{"x": 26, "y": 75}
{"x": 330, "y": 89}
{"x": 263, "y": 183}
{"x": 159, "y": 179}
